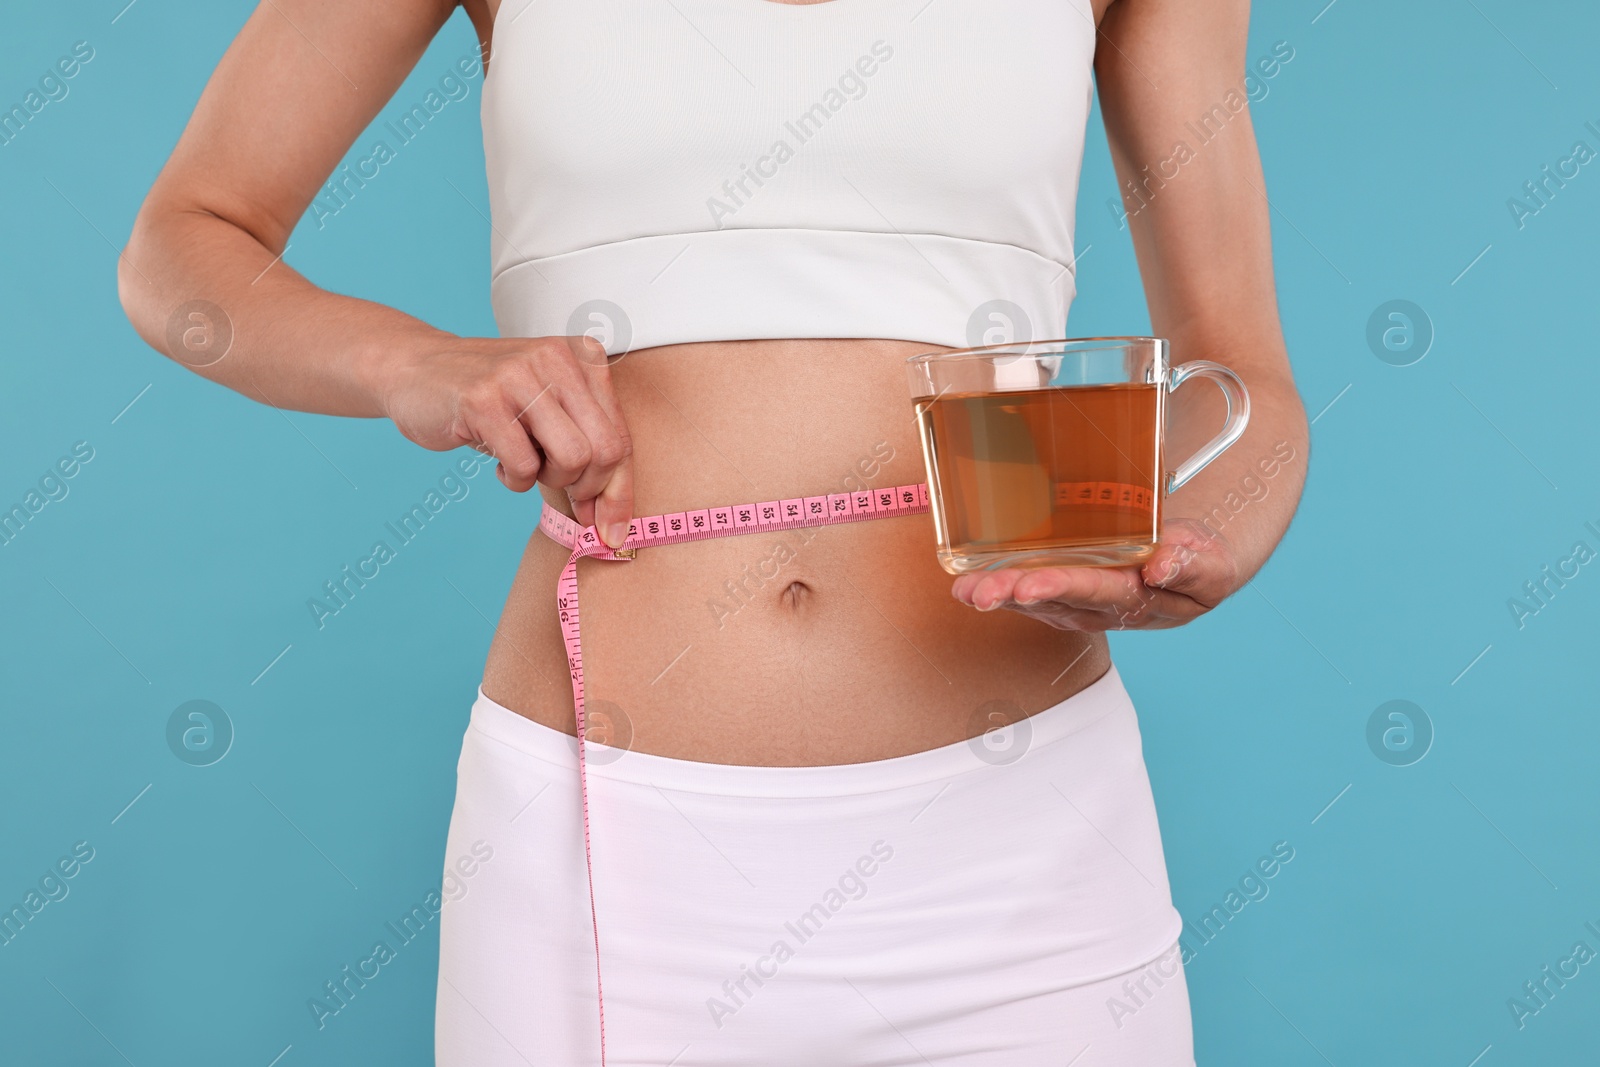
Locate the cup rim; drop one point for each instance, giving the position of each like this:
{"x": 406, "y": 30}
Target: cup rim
{"x": 1080, "y": 344}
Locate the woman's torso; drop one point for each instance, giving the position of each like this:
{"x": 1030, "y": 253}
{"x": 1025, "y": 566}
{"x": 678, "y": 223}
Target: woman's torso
{"x": 835, "y": 645}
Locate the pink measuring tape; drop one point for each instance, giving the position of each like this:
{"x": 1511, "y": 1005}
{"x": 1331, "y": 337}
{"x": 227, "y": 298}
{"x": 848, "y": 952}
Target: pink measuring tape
{"x": 652, "y": 530}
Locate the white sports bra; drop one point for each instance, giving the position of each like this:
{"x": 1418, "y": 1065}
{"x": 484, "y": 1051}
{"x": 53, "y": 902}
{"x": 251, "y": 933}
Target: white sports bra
{"x": 667, "y": 171}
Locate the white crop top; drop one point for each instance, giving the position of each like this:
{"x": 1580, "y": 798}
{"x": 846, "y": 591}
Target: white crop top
{"x": 665, "y": 171}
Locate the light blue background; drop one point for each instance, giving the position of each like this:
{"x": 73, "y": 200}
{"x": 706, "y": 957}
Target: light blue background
{"x": 178, "y": 567}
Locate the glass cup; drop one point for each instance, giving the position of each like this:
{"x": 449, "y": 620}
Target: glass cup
{"x": 1051, "y": 453}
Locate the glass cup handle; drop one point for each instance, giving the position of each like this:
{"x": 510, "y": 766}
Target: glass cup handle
{"x": 1238, "y": 398}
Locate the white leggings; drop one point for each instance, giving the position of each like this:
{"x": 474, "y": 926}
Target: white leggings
{"x": 996, "y": 902}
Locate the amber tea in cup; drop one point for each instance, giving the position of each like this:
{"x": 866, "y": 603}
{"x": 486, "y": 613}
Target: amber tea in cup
{"x": 1050, "y": 453}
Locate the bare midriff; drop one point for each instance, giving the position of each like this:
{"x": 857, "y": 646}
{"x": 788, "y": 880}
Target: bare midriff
{"x": 840, "y": 644}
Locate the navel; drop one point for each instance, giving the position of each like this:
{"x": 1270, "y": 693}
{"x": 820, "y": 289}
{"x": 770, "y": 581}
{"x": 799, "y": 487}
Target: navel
{"x": 795, "y": 595}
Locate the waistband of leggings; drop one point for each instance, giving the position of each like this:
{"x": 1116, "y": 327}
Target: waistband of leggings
{"x": 1034, "y": 734}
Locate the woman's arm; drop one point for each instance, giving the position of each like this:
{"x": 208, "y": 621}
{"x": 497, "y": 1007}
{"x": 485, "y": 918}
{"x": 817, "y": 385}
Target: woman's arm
{"x": 1201, "y": 230}
{"x": 299, "y": 83}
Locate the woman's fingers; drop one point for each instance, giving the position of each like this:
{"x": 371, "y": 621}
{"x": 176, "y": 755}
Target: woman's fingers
{"x": 560, "y": 399}
{"x": 987, "y": 590}
{"x": 613, "y": 508}
{"x": 508, "y": 442}
{"x": 1078, "y": 598}
{"x": 1082, "y": 587}
{"x": 544, "y": 407}
{"x": 608, "y": 481}
{"x": 565, "y": 444}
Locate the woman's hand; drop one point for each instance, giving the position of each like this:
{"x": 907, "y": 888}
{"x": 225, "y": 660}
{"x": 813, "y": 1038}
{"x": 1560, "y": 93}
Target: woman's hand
{"x": 544, "y": 407}
{"x": 1191, "y": 572}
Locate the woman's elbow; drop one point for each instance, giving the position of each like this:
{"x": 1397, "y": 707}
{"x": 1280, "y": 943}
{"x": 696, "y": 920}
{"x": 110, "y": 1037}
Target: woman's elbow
{"x": 136, "y": 291}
